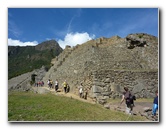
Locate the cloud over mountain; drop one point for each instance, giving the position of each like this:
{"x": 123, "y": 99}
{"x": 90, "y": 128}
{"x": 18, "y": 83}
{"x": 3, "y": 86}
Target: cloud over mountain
{"x": 73, "y": 39}
{"x": 12, "y": 42}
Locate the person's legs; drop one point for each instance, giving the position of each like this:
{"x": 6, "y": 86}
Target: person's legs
{"x": 129, "y": 109}
{"x": 56, "y": 87}
{"x": 154, "y": 110}
{"x": 80, "y": 95}
{"x": 65, "y": 89}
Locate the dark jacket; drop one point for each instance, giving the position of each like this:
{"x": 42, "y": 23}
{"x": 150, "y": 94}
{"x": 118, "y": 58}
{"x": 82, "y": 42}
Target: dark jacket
{"x": 128, "y": 97}
{"x": 155, "y": 100}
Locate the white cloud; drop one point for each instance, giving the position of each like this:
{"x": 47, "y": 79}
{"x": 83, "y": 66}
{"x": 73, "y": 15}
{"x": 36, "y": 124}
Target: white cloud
{"x": 12, "y": 42}
{"x": 73, "y": 39}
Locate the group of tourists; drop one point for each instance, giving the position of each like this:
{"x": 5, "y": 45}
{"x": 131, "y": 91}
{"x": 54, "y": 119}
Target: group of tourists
{"x": 51, "y": 85}
{"x": 39, "y": 84}
{"x": 55, "y": 85}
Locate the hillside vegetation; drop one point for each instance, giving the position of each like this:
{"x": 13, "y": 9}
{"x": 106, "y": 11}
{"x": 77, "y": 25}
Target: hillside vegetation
{"x": 25, "y": 59}
{"x": 26, "y": 106}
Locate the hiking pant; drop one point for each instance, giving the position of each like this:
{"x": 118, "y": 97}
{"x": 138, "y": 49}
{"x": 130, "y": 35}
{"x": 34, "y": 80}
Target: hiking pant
{"x": 154, "y": 110}
{"x": 65, "y": 89}
{"x": 80, "y": 95}
{"x": 129, "y": 108}
{"x": 49, "y": 86}
{"x": 56, "y": 87}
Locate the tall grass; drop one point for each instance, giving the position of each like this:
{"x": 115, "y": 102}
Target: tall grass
{"x": 31, "y": 107}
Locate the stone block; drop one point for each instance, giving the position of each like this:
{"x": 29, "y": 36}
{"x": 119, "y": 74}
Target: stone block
{"x": 97, "y": 89}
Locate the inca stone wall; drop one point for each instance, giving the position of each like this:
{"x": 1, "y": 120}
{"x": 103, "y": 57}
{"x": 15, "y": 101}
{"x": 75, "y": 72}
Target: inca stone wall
{"x": 110, "y": 83}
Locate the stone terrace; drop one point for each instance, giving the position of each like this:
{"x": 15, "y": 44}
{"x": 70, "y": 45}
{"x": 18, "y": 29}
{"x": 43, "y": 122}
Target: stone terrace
{"x": 108, "y": 57}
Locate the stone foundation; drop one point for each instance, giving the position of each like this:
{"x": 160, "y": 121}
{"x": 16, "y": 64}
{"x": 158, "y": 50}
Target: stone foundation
{"x": 110, "y": 83}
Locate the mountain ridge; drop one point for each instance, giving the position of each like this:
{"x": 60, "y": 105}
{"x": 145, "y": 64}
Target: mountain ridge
{"x": 27, "y": 58}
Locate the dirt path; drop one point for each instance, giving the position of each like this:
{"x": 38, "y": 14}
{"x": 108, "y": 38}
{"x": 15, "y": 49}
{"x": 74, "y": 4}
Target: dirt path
{"x": 143, "y": 109}
{"x": 139, "y": 106}
{"x": 71, "y": 95}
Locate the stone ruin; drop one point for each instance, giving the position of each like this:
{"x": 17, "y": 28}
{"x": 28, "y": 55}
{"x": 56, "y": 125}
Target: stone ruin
{"x": 106, "y": 65}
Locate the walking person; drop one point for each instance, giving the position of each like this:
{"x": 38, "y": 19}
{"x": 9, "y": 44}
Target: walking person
{"x": 68, "y": 88}
{"x": 48, "y": 83}
{"x": 85, "y": 93}
{"x": 155, "y": 105}
{"x": 51, "y": 84}
{"x": 65, "y": 86}
{"x": 56, "y": 85}
{"x": 42, "y": 83}
{"x": 80, "y": 90}
{"x": 127, "y": 96}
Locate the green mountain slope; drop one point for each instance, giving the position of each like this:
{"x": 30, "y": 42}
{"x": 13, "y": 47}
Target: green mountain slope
{"x": 26, "y": 59}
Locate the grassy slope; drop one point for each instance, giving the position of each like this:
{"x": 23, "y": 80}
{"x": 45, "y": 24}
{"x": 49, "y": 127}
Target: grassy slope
{"x": 49, "y": 107}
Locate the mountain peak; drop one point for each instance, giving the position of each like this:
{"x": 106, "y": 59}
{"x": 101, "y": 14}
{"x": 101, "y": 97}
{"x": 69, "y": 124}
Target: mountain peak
{"x": 48, "y": 45}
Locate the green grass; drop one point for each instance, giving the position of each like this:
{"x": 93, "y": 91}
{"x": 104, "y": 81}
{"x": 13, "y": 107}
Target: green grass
{"x": 48, "y": 107}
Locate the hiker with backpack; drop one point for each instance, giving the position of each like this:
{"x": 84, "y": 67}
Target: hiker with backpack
{"x": 129, "y": 98}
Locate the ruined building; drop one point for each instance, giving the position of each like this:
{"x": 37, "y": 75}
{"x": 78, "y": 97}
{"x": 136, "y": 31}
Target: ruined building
{"x": 106, "y": 65}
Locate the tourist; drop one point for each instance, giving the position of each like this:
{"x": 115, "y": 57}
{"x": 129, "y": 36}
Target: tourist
{"x": 65, "y": 86}
{"x": 51, "y": 84}
{"x": 68, "y": 88}
{"x": 42, "y": 83}
{"x": 129, "y": 103}
{"x": 48, "y": 83}
{"x": 80, "y": 90}
{"x": 155, "y": 104}
{"x": 56, "y": 85}
{"x": 85, "y": 93}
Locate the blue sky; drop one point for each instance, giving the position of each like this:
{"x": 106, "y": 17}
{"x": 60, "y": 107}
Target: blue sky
{"x": 72, "y": 26}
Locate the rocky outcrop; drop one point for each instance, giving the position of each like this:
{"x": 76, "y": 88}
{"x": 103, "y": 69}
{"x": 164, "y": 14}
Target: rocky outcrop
{"x": 23, "y": 82}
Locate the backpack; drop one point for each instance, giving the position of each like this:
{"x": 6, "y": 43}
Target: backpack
{"x": 129, "y": 97}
